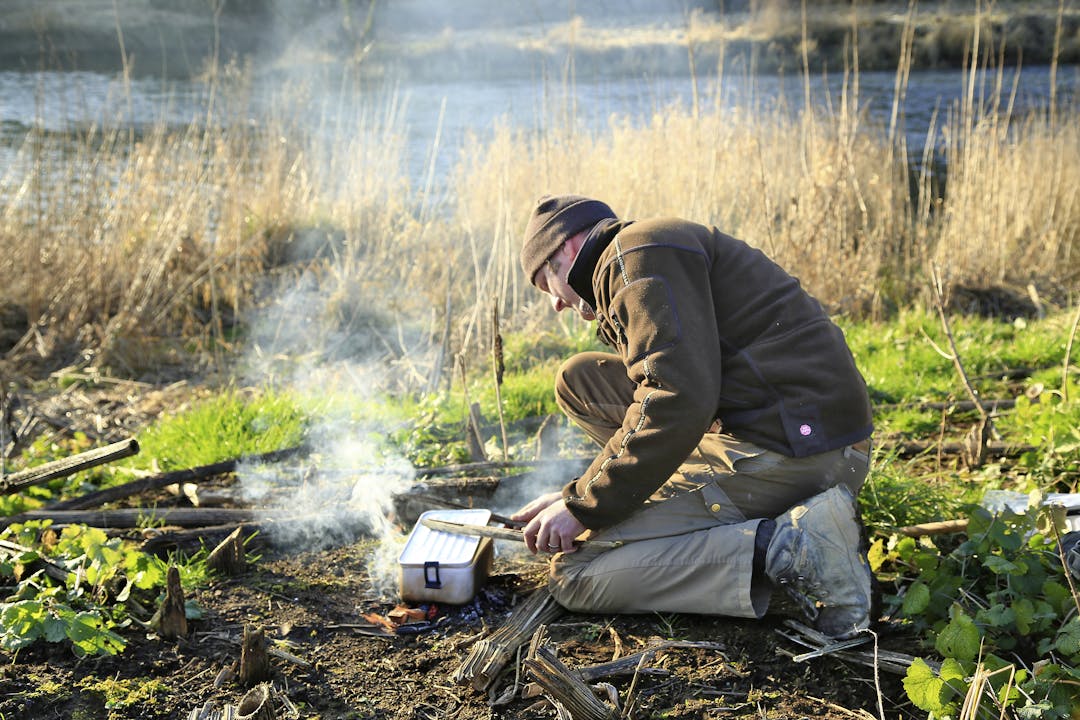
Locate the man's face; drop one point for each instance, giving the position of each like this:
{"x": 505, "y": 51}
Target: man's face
{"x": 551, "y": 278}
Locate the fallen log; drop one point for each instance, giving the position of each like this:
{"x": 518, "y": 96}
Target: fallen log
{"x": 165, "y": 541}
{"x": 175, "y": 477}
{"x": 993, "y": 449}
{"x": 139, "y": 517}
{"x": 68, "y": 466}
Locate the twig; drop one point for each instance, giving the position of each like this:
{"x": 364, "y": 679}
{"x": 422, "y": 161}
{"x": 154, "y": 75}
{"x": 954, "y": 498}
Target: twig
{"x": 1068, "y": 355}
{"x": 498, "y": 367}
{"x": 68, "y": 466}
{"x": 980, "y": 434}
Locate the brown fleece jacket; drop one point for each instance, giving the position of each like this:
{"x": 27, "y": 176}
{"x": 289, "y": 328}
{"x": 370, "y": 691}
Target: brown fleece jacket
{"x": 708, "y": 328}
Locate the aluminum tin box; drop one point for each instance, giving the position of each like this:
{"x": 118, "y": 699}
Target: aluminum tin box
{"x": 438, "y": 566}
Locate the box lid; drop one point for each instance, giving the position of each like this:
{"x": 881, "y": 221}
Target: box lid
{"x": 426, "y": 545}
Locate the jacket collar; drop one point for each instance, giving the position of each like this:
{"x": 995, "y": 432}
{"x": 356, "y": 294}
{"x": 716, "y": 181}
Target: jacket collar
{"x": 581, "y": 272}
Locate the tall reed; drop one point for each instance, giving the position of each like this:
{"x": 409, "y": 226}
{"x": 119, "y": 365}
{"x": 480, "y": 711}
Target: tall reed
{"x": 122, "y": 247}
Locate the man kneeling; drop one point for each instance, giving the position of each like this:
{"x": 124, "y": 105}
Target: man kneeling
{"x": 733, "y": 422}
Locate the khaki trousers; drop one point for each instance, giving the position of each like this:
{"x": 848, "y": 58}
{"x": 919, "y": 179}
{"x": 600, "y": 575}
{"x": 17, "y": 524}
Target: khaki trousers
{"x": 690, "y": 548}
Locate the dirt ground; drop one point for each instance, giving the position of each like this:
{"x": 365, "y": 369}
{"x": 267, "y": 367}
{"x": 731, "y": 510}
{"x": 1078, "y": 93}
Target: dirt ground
{"x": 310, "y": 605}
{"x": 331, "y": 664}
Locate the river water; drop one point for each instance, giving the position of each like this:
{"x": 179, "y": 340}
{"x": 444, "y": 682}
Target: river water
{"x": 62, "y": 102}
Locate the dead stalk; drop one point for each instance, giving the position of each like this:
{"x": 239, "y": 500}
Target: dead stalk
{"x": 1068, "y": 356}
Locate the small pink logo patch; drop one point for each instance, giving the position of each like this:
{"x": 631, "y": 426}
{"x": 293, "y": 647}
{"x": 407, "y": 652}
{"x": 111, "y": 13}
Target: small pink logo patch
{"x": 805, "y": 430}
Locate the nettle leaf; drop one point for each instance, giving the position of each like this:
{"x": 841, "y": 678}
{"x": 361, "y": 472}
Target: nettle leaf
{"x": 959, "y": 639}
{"x": 925, "y": 689}
{"x": 1025, "y": 615}
{"x": 1058, "y": 596}
{"x": 55, "y": 629}
{"x": 916, "y": 599}
{"x": 997, "y": 616}
{"x": 22, "y": 622}
{"x": 1068, "y": 638}
{"x": 1000, "y": 566}
{"x": 89, "y": 636}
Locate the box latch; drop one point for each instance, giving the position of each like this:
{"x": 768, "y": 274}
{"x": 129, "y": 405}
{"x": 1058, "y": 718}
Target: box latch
{"x": 431, "y": 575}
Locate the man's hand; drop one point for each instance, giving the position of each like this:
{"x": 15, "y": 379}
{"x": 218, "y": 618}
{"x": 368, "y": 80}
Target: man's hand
{"x": 551, "y": 527}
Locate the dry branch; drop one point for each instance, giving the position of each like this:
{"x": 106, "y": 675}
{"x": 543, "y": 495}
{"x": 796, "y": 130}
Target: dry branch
{"x": 68, "y": 466}
{"x": 894, "y": 662}
{"x": 488, "y": 657}
{"x": 137, "y": 517}
{"x": 53, "y": 570}
{"x": 153, "y": 482}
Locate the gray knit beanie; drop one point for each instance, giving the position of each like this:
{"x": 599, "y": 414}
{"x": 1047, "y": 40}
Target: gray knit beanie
{"x": 554, "y": 220}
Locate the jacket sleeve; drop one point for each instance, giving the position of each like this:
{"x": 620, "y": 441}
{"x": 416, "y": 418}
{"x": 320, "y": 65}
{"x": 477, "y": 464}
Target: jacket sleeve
{"x": 657, "y": 304}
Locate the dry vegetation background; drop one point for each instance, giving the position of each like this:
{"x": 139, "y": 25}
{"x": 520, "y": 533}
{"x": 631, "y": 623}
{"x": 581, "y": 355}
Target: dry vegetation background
{"x": 125, "y": 250}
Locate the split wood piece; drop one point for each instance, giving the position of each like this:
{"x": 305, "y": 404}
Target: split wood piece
{"x": 171, "y": 619}
{"x": 498, "y": 533}
{"x": 562, "y": 684}
{"x": 228, "y": 557}
{"x": 894, "y": 662}
{"x": 943, "y": 527}
{"x": 68, "y": 466}
{"x": 53, "y": 570}
{"x": 153, "y": 482}
{"x": 489, "y": 656}
{"x": 254, "y": 659}
{"x": 138, "y": 517}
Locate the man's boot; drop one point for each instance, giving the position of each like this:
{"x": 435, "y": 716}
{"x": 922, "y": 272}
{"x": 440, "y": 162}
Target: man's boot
{"x": 815, "y": 555}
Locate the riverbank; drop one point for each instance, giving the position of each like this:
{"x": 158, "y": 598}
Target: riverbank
{"x": 419, "y": 40}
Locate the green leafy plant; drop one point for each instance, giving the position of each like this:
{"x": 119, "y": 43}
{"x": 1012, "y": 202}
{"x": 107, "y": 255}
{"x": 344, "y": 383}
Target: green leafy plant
{"x": 96, "y": 586}
{"x": 997, "y": 608}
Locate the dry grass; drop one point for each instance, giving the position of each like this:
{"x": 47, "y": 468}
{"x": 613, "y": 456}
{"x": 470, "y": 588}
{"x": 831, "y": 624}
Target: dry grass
{"x": 115, "y": 243}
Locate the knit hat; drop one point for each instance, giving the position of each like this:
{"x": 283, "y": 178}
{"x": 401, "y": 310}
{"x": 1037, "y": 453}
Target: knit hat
{"x": 554, "y": 220}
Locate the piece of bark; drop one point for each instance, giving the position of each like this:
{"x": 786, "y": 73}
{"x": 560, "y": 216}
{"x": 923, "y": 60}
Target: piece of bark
{"x": 68, "y": 466}
{"x": 257, "y": 704}
{"x": 562, "y": 684}
{"x": 175, "y": 477}
{"x": 228, "y": 557}
{"x": 171, "y": 618}
{"x": 254, "y": 660}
